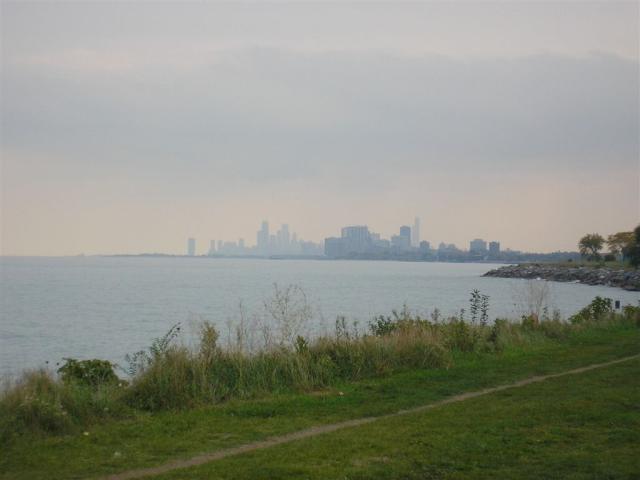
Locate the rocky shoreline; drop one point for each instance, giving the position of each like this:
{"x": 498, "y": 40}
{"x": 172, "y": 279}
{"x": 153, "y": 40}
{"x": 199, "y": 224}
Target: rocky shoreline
{"x": 626, "y": 279}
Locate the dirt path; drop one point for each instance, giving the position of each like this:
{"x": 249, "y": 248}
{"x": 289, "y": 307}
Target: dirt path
{"x": 312, "y": 432}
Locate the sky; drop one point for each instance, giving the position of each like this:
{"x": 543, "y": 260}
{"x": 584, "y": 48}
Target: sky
{"x": 128, "y": 127}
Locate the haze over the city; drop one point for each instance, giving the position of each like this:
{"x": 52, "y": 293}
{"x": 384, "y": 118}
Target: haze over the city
{"x": 127, "y": 128}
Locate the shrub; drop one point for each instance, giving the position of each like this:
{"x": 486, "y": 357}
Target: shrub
{"x": 88, "y": 372}
{"x": 599, "y": 309}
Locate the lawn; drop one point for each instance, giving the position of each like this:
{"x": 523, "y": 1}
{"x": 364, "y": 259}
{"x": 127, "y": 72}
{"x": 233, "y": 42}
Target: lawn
{"x": 577, "y": 426}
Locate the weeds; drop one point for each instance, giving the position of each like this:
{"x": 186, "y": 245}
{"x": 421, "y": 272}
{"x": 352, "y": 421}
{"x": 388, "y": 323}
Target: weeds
{"x": 169, "y": 375}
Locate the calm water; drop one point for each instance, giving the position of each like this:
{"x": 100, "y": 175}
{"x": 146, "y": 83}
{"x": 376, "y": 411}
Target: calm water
{"x": 92, "y": 307}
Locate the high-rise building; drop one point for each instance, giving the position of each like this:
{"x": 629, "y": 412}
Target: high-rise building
{"x": 283, "y": 238}
{"x": 402, "y": 241}
{"x": 262, "y": 238}
{"x": 334, "y": 247}
{"x": 191, "y": 247}
{"x": 494, "y": 248}
{"x": 212, "y": 247}
{"x": 286, "y": 237}
{"x": 356, "y": 239}
{"x": 478, "y": 246}
{"x": 415, "y": 233}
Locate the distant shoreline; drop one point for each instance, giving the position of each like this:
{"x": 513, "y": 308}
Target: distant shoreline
{"x": 302, "y": 257}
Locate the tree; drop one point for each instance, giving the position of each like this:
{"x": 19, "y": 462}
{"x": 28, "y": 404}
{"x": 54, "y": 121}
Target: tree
{"x": 590, "y": 246}
{"x": 620, "y": 243}
{"x": 634, "y": 251}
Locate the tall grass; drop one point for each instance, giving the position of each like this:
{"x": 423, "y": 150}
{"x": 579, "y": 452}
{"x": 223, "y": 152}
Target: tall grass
{"x": 170, "y": 375}
{"x": 39, "y": 402}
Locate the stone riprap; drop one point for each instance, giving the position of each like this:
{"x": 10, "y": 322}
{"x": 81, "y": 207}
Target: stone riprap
{"x": 611, "y": 277}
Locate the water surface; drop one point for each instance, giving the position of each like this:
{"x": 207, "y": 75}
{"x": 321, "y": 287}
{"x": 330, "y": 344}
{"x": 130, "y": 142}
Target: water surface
{"x": 100, "y": 307}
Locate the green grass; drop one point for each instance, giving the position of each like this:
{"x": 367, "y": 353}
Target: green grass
{"x": 612, "y": 264}
{"x": 585, "y": 426}
{"x": 146, "y": 439}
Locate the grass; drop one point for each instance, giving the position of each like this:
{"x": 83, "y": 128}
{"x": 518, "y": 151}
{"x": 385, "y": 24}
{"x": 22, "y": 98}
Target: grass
{"x": 582, "y": 427}
{"x": 146, "y": 438}
{"x": 610, "y": 264}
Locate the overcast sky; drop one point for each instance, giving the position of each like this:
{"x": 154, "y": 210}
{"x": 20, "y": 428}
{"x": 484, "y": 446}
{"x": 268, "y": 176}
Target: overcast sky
{"x": 128, "y": 127}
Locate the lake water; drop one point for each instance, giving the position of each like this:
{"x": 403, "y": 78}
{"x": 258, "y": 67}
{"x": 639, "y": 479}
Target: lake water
{"x": 100, "y": 307}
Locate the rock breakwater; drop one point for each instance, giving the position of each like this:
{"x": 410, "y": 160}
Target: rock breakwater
{"x": 611, "y": 277}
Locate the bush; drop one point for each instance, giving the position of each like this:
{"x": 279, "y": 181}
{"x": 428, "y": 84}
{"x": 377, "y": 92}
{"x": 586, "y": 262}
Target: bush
{"x": 88, "y": 372}
{"x": 599, "y": 309}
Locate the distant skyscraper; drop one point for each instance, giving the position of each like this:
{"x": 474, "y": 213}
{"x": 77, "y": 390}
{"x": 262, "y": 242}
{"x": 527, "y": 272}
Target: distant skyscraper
{"x": 478, "y": 246}
{"x": 286, "y": 239}
{"x": 402, "y": 241}
{"x": 212, "y": 247}
{"x": 191, "y": 247}
{"x": 415, "y": 233}
{"x": 262, "y": 238}
{"x": 334, "y": 247}
{"x": 356, "y": 239}
{"x": 494, "y": 249}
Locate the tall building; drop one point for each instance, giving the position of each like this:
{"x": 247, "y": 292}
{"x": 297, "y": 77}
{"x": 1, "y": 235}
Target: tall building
{"x": 283, "y": 238}
{"x": 415, "y": 233}
{"x": 356, "y": 239}
{"x": 262, "y": 238}
{"x": 402, "y": 241}
{"x": 478, "y": 246}
{"x": 191, "y": 247}
{"x": 212, "y": 247}
{"x": 334, "y": 247}
{"x": 494, "y": 248}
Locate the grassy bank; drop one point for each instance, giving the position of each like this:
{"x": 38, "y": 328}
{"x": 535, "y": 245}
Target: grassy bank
{"x": 580, "y": 427}
{"x": 404, "y": 361}
{"x": 170, "y": 376}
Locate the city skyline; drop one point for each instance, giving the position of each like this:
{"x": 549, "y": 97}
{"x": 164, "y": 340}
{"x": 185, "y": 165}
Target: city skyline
{"x": 353, "y": 239}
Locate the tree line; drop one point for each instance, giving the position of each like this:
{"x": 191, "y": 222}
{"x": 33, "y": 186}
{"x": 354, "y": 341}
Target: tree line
{"x": 620, "y": 244}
